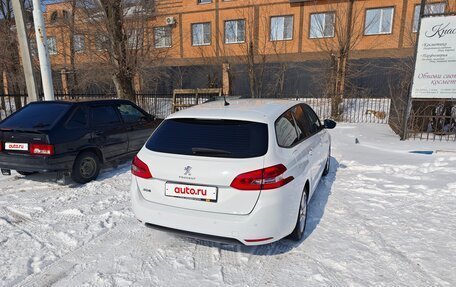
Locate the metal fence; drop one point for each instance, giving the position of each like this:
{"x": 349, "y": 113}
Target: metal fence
{"x": 354, "y": 110}
{"x": 10, "y": 103}
{"x": 429, "y": 120}
{"x": 433, "y": 120}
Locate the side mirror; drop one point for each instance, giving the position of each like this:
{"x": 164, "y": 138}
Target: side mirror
{"x": 147, "y": 118}
{"x": 329, "y": 124}
{"x": 150, "y": 117}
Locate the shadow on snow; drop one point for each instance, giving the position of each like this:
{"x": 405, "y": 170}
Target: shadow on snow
{"x": 106, "y": 172}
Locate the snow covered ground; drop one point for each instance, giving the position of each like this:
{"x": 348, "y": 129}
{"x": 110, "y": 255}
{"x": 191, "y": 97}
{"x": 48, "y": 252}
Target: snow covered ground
{"x": 382, "y": 217}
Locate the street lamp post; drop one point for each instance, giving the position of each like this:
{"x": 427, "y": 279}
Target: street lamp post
{"x": 24, "y": 45}
{"x": 43, "y": 53}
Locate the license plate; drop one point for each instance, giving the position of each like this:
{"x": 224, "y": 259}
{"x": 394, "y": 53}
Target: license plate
{"x": 194, "y": 192}
{"x": 16, "y": 146}
{"x": 6, "y": 171}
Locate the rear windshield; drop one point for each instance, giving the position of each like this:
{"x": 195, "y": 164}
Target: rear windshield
{"x": 211, "y": 138}
{"x": 36, "y": 116}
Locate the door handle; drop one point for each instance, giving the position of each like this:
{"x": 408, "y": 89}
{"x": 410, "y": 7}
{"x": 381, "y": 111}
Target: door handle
{"x": 99, "y": 133}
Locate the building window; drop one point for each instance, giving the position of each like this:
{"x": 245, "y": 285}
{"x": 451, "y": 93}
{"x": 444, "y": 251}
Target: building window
{"x": 379, "y": 21}
{"x": 66, "y": 15}
{"x": 281, "y": 28}
{"x": 78, "y": 43}
{"x": 134, "y": 39}
{"x": 322, "y": 25}
{"x": 52, "y": 45}
{"x": 429, "y": 9}
{"x": 234, "y": 31}
{"x": 54, "y": 17}
{"x": 204, "y": 1}
{"x": 201, "y": 34}
{"x": 101, "y": 42}
{"x": 163, "y": 37}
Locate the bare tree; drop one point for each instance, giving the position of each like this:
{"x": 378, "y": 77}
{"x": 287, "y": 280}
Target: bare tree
{"x": 119, "y": 29}
{"x": 251, "y": 48}
{"x": 9, "y": 52}
{"x": 336, "y": 34}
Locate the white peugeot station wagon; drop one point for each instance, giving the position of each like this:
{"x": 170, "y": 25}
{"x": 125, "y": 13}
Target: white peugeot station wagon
{"x": 241, "y": 172}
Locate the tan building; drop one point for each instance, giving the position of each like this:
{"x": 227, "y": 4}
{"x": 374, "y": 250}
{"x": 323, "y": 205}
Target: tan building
{"x": 183, "y": 33}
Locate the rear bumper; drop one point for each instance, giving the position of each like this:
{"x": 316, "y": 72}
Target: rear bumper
{"x": 273, "y": 217}
{"x": 29, "y": 163}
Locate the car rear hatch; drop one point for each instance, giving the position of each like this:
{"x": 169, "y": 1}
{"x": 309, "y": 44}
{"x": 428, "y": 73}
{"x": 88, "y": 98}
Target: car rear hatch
{"x": 27, "y": 131}
{"x": 21, "y": 141}
{"x": 194, "y": 161}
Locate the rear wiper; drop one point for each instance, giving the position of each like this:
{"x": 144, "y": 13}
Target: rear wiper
{"x": 210, "y": 151}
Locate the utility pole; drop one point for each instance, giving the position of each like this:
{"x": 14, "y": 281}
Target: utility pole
{"x": 43, "y": 53}
{"x": 24, "y": 46}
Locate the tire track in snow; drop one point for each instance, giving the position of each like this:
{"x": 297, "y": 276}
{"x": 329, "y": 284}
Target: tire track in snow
{"x": 380, "y": 242}
{"x": 202, "y": 255}
{"x": 57, "y": 270}
{"x": 22, "y": 222}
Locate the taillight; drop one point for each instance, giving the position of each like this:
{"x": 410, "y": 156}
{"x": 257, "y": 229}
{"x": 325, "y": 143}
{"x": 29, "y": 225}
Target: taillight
{"x": 41, "y": 149}
{"x": 140, "y": 169}
{"x": 262, "y": 179}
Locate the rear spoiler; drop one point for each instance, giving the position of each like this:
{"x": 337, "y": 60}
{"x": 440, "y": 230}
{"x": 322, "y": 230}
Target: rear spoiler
{"x": 23, "y": 130}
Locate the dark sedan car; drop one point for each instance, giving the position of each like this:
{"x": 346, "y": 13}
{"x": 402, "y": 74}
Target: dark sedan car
{"x": 75, "y": 137}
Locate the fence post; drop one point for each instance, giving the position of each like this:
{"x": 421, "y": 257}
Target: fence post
{"x": 155, "y": 105}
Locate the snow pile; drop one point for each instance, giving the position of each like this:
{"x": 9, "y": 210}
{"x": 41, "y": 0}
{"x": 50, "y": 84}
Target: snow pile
{"x": 382, "y": 217}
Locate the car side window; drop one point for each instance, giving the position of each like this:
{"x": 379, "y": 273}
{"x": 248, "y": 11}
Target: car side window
{"x": 104, "y": 115}
{"x": 302, "y": 122}
{"x": 286, "y": 132}
{"x": 130, "y": 114}
{"x": 315, "y": 124}
{"x": 78, "y": 119}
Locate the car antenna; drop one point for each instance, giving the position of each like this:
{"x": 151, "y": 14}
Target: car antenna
{"x": 226, "y": 103}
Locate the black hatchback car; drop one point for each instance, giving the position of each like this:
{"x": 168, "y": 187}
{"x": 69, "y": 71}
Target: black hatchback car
{"x": 75, "y": 137}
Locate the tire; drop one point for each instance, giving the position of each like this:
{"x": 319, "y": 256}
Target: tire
{"x": 298, "y": 232}
{"x": 86, "y": 167}
{"x": 25, "y": 173}
{"x": 328, "y": 164}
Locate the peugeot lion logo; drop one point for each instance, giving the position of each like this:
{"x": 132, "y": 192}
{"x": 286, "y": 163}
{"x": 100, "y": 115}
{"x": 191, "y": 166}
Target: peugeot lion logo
{"x": 188, "y": 170}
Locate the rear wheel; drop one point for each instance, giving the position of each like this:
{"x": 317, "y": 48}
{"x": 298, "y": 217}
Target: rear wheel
{"x": 25, "y": 173}
{"x": 300, "y": 227}
{"x": 86, "y": 167}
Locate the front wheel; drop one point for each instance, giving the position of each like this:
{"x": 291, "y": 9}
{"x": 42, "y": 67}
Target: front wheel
{"x": 86, "y": 167}
{"x": 298, "y": 232}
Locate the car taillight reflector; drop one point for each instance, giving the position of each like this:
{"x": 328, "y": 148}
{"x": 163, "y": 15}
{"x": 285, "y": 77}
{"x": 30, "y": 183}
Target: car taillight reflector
{"x": 258, "y": 240}
{"x": 262, "y": 179}
{"x": 140, "y": 169}
{"x": 41, "y": 149}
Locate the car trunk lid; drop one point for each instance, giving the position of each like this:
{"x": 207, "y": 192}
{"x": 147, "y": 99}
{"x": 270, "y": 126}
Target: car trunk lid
{"x": 198, "y": 183}
{"x": 19, "y": 141}
{"x": 194, "y": 161}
